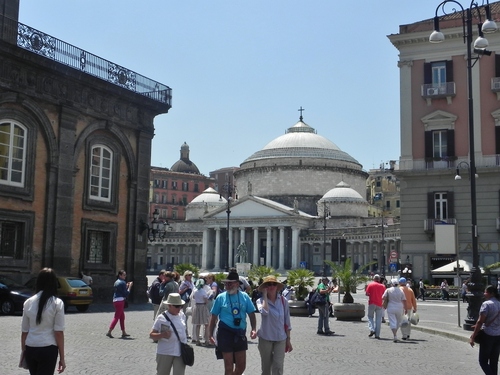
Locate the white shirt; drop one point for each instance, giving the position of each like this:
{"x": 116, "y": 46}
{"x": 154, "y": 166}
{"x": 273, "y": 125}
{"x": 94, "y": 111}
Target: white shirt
{"x": 171, "y": 346}
{"x": 40, "y": 335}
{"x": 200, "y": 295}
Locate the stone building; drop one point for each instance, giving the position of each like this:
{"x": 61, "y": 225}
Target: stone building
{"x": 435, "y": 140}
{"x": 75, "y": 150}
{"x": 297, "y": 199}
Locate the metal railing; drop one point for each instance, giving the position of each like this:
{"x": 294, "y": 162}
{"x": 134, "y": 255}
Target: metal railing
{"x": 52, "y": 48}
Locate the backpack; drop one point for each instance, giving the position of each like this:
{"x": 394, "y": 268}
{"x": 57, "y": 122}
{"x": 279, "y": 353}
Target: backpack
{"x": 153, "y": 292}
{"x": 186, "y": 296}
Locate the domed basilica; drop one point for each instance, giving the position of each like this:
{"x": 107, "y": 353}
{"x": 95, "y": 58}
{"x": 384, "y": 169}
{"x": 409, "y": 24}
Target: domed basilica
{"x": 299, "y": 200}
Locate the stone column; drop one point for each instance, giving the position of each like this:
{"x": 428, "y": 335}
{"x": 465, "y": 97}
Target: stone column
{"x": 282, "y": 249}
{"x": 295, "y": 247}
{"x": 268, "y": 247}
{"x": 274, "y": 261}
{"x": 217, "y": 249}
{"x": 256, "y": 254}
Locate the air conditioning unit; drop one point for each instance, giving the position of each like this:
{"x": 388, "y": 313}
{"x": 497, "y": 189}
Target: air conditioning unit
{"x": 432, "y": 91}
{"x": 496, "y": 85}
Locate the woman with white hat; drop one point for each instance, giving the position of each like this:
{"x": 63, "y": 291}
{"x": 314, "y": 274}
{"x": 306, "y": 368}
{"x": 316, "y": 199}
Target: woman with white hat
{"x": 395, "y": 306}
{"x": 168, "y": 350}
{"x": 274, "y": 332}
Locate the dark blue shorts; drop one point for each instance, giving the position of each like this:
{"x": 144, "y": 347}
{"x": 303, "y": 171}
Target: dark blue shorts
{"x": 230, "y": 339}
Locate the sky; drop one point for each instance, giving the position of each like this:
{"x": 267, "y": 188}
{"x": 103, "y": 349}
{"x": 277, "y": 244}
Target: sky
{"x": 240, "y": 70}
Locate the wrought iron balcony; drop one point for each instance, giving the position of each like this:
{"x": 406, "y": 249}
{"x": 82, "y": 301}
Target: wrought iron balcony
{"x": 52, "y": 48}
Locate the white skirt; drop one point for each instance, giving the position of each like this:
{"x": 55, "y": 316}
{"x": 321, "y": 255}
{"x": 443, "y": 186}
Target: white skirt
{"x": 201, "y": 314}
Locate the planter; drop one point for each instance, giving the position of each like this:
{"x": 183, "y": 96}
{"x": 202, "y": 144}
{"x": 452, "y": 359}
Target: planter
{"x": 298, "y": 308}
{"x": 349, "y": 311}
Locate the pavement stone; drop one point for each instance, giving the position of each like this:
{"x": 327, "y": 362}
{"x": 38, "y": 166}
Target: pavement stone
{"x": 437, "y": 346}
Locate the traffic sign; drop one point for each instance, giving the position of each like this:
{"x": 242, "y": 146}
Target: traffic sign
{"x": 394, "y": 254}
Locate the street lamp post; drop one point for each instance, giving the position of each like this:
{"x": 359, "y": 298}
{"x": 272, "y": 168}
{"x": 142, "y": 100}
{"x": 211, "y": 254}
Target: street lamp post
{"x": 326, "y": 215}
{"x": 228, "y": 189}
{"x": 480, "y": 45}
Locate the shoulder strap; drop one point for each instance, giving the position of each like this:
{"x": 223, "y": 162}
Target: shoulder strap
{"x": 496, "y": 316}
{"x": 172, "y": 324}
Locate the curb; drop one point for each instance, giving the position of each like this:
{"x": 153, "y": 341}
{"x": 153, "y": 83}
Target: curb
{"x": 449, "y": 334}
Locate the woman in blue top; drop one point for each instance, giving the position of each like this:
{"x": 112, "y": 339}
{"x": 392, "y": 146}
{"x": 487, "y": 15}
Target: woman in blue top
{"x": 489, "y": 322}
{"x": 122, "y": 290}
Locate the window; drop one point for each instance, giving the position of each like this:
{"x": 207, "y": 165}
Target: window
{"x": 388, "y": 205}
{"x": 156, "y": 198}
{"x": 163, "y": 198}
{"x": 164, "y": 184}
{"x": 100, "y": 173}
{"x": 185, "y": 186}
{"x": 157, "y": 183}
{"x": 174, "y": 198}
{"x": 438, "y": 73}
{"x": 11, "y": 240}
{"x": 174, "y": 185}
{"x": 440, "y": 205}
{"x": 174, "y": 214}
{"x": 439, "y": 143}
{"x": 397, "y": 203}
{"x": 184, "y": 201}
{"x": 12, "y": 153}
{"x": 196, "y": 188}
{"x": 164, "y": 213}
{"x": 98, "y": 247}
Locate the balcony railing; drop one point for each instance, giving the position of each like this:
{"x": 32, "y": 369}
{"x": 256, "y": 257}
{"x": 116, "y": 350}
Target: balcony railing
{"x": 52, "y": 48}
{"x": 431, "y": 91}
{"x": 426, "y": 164}
{"x": 430, "y": 224}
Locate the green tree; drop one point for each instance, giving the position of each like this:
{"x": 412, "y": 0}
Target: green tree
{"x": 257, "y": 273}
{"x": 300, "y": 279}
{"x": 183, "y": 267}
{"x": 347, "y": 277}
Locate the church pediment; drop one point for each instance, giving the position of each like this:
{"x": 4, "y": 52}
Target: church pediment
{"x": 255, "y": 207}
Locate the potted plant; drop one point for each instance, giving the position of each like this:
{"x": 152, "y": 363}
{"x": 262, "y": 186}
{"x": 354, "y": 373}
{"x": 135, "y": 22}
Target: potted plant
{"x": 300, "y": 279}
{"x": 349, "y": 280}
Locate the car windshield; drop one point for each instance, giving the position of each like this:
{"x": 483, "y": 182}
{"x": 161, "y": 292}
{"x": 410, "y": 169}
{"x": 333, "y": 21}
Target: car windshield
{"x": 9, "y": 282}
{"x": 76, "y": 283}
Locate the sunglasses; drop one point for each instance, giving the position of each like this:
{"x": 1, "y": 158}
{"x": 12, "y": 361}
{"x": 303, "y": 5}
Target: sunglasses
{"x": 177, "y": 306}
{"x": 272, "y": 284}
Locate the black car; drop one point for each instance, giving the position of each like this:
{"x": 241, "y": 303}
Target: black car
{"x": 12, "y": 295}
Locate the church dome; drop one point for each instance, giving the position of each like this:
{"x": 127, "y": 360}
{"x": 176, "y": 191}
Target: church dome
{"x": 184, "y": 165}
{"x": 343, "y": 192}
{"x": 301, "y": 141}
{"x": 209, "y": 195}
{"x": 204, "y": 203}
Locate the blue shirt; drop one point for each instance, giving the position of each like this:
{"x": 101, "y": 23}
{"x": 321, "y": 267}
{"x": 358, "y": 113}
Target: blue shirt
{"x": 121, "y": 291}
{"x": 230, "y": 306}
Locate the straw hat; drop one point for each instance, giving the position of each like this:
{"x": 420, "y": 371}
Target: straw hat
{"x": 174, "y": 299}
{"x": 270, "y": 279}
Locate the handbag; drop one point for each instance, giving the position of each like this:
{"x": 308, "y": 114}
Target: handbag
{"x": 480, "y": 336}
{"x": 318, "y": 299}
{"x": 187, "y": 351}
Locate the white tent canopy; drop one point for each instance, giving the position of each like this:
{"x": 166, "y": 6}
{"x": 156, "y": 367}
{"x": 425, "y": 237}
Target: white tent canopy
{"x": 451, "y": 268}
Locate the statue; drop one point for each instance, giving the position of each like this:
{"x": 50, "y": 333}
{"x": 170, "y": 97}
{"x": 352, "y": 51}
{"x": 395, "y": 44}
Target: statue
{"x": 249, "y": 188}
{"x": 241, "y": 253}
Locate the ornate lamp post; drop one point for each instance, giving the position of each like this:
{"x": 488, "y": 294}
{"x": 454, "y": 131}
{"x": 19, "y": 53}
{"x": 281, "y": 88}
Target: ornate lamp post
{"x": 158, "y": 228}
{"x": 480, "y": 45}
{"x": 228, "y": 188}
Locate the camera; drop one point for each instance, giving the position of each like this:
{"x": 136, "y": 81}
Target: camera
{"x": 237, "y": 322}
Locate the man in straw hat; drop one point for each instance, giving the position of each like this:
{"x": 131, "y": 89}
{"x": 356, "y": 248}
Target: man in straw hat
{"x": 274, "y": 332}
{"x": 231, "y": 309}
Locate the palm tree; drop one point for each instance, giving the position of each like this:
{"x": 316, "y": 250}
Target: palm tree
{"x": 348, "y": 277}
{"x": 300, "y": 278}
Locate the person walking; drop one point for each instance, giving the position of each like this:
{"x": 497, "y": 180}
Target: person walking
{"x": 445, "y": 290}
{"x": 375, "y": 290}
{"x": 231, "y": 308}
{"x": 274, "y": 331}
{"x": 169, "y": 285}
{"x": 323, "y": 310}
{"x": 421, "y": 289}
{"x": 463, "y": 291}
{"x": 122, "y": 290}
{"x": 410, "y": 307}
{"x": 200, "y": 313}
{"x": 154, "y": 292}
{"x": 489, "y": 322}
{"x": 168, "y": 350}
{"x": 42, "y": 337}
{"x": 186, "y": 288}
{"x": 395, "y": 307}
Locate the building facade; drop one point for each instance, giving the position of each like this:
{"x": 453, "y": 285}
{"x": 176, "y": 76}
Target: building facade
{"x": 435, "y": 141}
{"x": 75, "y": 150}
{"x": 279, "y": 218}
